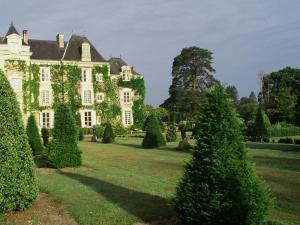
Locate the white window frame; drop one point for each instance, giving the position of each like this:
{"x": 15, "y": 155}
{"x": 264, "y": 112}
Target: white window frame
{"x": 128, "y": 117}
{"x": 45, "y": 74}
{"x": 46, "y": 119}
{"x": 88, "y": 118}
{"x": 126, "y": 97}
{"x": 87, "y": 97}
{"x": 100, "y": 97}
{"x": 45, "y": 97}
{"x": 99, "y": 77}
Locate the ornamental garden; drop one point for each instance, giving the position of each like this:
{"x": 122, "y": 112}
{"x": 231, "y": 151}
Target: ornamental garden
{"x": 75, "y": 131}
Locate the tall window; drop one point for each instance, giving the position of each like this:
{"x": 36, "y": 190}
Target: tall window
{"x": 46, "y": 119}
{"x": 45, "y": 97}
{"x": 84, "y": 76}
{"x": 45, "y": 74}
{"x": 127, "y": 117}
{"x": 88, "y": 118}
{"x": 87, "y": 97}
{"x": 126, "y": 97}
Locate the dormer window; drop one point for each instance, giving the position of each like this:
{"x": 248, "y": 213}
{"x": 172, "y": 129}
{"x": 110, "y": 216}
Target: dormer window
{"x": 126, "y": 74}
{"x": 86, "y": 51}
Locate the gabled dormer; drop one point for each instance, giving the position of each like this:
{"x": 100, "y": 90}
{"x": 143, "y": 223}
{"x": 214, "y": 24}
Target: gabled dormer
{"x": 13, "y": 39}
{"x": 85, "y": 51}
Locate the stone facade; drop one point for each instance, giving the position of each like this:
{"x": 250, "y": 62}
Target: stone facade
{"x": 77, "y": 51}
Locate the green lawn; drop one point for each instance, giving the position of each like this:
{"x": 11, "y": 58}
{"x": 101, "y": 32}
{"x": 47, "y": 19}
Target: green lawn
{"x": 123, "y": 184}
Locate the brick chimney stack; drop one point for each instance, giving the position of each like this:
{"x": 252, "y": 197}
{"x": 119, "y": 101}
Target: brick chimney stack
{"x": 25, "y": 36}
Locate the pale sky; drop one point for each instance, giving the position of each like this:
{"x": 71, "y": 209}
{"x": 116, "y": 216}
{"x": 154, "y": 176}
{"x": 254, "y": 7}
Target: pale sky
{"x": 245, "y": 36}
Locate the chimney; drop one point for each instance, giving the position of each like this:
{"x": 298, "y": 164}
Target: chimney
{"x": 25, "y": 37}
{"x": 60, "y": 40}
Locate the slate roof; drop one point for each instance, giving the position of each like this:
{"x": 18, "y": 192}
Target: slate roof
{"x": 12, "y": 30}
{"x": 116, "y": 66}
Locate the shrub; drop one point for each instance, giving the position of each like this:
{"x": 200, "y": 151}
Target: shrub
{"x": 34, "y": 137}
{"x": 94, "y": 136}
{"x": 266, "y": 140}
{"x": 108, "y": 135}
{"x": 99, "y": 131}
{"x": 154, "y": 137}
{"x": 18, "y": 183}
{"x": 260, "y": 126}
{"x": 120, "y": 130}
{"x": 62, "y": 151}
{"x": 219, "y": 185}
{"x": 78, "y": 123}
{"x": 297, "y": 141}
{"x": 283, "y": 130}
{"x": 286, "y": 140}
{"x": 171, "y": 133}
{"x": 45, "y": 135}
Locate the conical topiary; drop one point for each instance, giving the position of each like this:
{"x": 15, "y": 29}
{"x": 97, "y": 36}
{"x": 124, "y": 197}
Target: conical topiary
{"x": 171, "y": 133}
{"x": 260, "y": 128}
{"x": 18, "y": 183}
{"x": 108, "y": 135}
{"x": 63, "y": 151}
{"x": 154, "y": 137}
{"x": 219, "y": 185}
{"x": 34, "y": 137}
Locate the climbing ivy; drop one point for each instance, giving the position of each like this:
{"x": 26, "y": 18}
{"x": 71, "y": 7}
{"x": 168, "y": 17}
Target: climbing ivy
{"x": 137, "y": 84}
{"x": 109, "y": 109}
{"x": 65, "y": 81}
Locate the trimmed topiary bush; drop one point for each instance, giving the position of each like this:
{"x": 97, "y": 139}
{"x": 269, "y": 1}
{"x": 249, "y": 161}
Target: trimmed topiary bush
{"x": 45, "y": 135}
{"x": 260, "y": 127}
{"x": 99, "y": 131}
{"x": 63, "y": 151}
{"x": 18, "y": 183}
{"x": 34, "y": 137}
{"x": 171, "y": 133}
{"x": 154, "y": 137}
{"x": 219, "y": 185}
{"x": 108, "y": 135}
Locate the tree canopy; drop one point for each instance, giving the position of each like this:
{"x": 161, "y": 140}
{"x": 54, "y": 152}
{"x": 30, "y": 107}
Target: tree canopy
{"x": 191, "y": 74}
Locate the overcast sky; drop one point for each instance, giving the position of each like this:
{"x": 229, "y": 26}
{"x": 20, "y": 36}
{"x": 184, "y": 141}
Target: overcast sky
{"x": 246, "y": 36}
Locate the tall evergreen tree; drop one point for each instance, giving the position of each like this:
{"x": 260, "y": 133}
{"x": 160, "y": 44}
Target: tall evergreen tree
{"x": 154, "y": 137}
{"x": 232, "y": 93}
{"x": 18, "y": 183}
{"x": 260, "y": 126}
{"x": 192, "y": 73}
{"x": 34, "y": 137}
{"x": 220, "y": 186}
{"x": 63, "y": 151}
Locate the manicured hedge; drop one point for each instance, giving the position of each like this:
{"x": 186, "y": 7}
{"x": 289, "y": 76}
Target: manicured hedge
{"x": 154, "y": 137}
{"x": 34, "y": 137}
{"x": 63, "y": 151}
{"x": 18, "y": 183}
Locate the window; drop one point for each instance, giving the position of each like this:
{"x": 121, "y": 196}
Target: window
{"x": 87, "y": 97}
{"x": 99, "y": 77}
{"x": 126, "y": 75}
{"x": 45, "y": 74}
{"x": 86, "y": 75}
{"x": 126, "y": 97}
{"x": 127, "y": 117}
{"x": 45, "y": 98}
{"x": 99, "y": 97}
{"x": 88, "y": 119}
{"x": 46, "y": 119}
{"x": 84, "y": 79}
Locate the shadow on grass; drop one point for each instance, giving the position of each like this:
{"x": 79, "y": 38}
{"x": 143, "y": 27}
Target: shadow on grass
{"x": 274, "y": 146}
{"x": 164, "y": 148}
{"x": 144, "y": 206}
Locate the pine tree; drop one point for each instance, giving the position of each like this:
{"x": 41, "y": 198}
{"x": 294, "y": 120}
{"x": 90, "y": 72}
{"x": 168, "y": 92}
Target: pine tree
{"x": 34, "y": 137}
{"x": 220, "y": 186}
{"x": 154, "y": 137}
{"x": 18, "y": 183}
{"x": 63, "y": 151}
{"x": 108, "y": 135}
{"x": 260, "y": 127}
